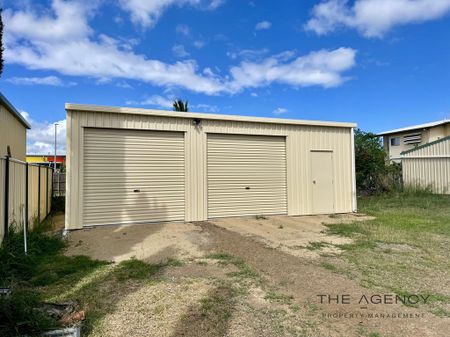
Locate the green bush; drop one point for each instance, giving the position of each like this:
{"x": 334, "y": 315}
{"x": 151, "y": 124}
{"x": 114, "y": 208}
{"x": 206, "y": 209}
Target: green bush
{"x": 373, "y": 173}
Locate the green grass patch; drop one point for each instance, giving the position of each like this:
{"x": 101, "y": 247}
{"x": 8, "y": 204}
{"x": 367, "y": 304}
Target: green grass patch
{"x": 316, "y": 245}
{"x": 45, "y": 274}
{"x": 244, "y": 272}
{"x": 405, "y": 248}
{"x": 279, "y": 298}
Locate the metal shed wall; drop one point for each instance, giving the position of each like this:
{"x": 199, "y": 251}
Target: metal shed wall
{"x": 12, "y": 133}
{"x": 300, "y": 140}
{"x": 428, "y": 166}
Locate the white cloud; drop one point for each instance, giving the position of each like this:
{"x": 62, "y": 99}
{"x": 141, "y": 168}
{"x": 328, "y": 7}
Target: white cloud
{"x": 199, "y": 44}
{"x": 205, "y": 108}
{"x": 180, "y": 51}
{"x": 279, "y": 111}
{"x": 147, "y": 12}
{"x": 41, "y": 136}
{"x": 373, "y": 18}
{"x": 322, "y": 68}
{"x": 183, "y": 29}
{"x": 29, "y": 45}
{"x": 263, "y": 25}
{"x": 47, "y": 80}
{"x": 105, "y": 58}
{"x": 254, "y": 94}
{"x": 248, "y": 54}
{"x": 155, "y": 100}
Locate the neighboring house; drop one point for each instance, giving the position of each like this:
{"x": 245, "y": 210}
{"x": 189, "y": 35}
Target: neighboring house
{"x": 428, "y": 166}
{"x": 127, "y": 165}
{"x": 405, "y": 139}
{"x": 13, "y": 130}
{"x": 47, "y": 160}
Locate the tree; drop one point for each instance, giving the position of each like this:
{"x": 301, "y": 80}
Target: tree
{"x": 370, "y": 161}
{"x": 1, "y": 42}
{"x": 179, "y": 105}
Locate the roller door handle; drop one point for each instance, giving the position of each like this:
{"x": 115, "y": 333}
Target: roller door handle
{"x": 247, "y": 187}
{"x": 136, "y": 191}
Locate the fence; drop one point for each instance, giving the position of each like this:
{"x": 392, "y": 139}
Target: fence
{"x": 25, "y": 192}
{"x": 59, "y": 184}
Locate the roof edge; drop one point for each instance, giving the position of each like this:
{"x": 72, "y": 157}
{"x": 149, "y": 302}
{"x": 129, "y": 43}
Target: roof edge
{"x": 14, "y": 111}
{"x": 425, "y": 145}
{"x": 237, "y": 118}
{"x": 414, "y": 127}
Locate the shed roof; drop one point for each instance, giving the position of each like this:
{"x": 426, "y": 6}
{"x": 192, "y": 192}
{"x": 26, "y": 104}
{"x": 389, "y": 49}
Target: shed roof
{"x": 14, "y": 111}
{"x": 164, "y": 113}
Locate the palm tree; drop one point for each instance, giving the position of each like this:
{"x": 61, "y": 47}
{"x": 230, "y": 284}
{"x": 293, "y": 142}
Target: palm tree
{"x": 179, "y": 105}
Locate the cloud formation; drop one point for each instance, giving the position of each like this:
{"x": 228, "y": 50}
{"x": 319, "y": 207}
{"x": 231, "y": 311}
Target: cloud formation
{"x": 373, "y": 18}
{"x": 71, "y": 47}
{"x": 146, "y": 13}
{"x": 47, "y": 80}
{"x": 263, "y": 25}
{"x": 41, "y": 136}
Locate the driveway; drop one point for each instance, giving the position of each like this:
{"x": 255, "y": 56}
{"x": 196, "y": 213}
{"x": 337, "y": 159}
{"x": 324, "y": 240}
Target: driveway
{"x": 244, "y": 277}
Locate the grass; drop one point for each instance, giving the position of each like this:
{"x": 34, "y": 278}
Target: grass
{"x": 45, "y": 274}
{"x": 244, "y": 272}
{"x": 405, "y": 249}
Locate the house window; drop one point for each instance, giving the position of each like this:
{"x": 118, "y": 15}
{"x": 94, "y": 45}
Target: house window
{"x": 395, "y": 141}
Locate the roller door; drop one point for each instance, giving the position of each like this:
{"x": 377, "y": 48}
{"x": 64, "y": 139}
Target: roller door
{"x": 246, "y": 175}
{"x": 132, "y": 176}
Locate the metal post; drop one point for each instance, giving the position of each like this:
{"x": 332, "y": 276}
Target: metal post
{"x": 39, "y": 194}
{"x": 54, "y": 162}
{"x": 46, "y": 192}
{"x": 6, "y": 219}
{"x": 26, "y": 198}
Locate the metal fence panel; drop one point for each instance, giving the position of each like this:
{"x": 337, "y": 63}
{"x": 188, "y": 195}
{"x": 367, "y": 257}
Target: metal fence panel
{"x": 20, "y": 198}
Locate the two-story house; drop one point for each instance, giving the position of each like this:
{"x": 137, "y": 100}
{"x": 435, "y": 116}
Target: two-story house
{"x": 404, "y": 139}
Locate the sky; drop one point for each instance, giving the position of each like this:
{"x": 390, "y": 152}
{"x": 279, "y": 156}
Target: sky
{"x": 383, "y": 64}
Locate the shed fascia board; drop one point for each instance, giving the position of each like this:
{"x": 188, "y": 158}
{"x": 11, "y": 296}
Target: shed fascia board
{"x": 163, "y": 113}
{"x": 4, "y": 101}
{"x": 425, "y": 145}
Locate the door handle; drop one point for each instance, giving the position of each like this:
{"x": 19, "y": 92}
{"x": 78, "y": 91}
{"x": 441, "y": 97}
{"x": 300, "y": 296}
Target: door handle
{"x": 136, "y": 191}
{"x": 314, "y": 181}
{"x": 247, "y": 187}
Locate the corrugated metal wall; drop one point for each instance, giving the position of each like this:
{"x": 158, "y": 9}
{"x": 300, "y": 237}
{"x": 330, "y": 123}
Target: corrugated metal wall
{"x": 300, "y": 140}
{"x": 428, "y": 167}
{"x": 13, "y": 133}
{"x": 17, "y": 193}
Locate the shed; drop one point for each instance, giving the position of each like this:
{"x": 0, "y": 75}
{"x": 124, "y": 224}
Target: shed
{"x": 128, "y": 165}
{"x": 13, "y": 130}
{"x": 428, "y": 166}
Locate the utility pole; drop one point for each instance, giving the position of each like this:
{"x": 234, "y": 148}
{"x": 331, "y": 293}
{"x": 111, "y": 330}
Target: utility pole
{"x": 54, "y": 162}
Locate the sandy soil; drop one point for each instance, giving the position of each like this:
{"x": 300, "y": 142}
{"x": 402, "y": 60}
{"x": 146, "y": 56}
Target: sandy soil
{"x": 154, "y": 243}
{"x": 292, "y": 234}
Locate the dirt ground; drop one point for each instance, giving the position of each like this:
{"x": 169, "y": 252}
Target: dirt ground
{"x": 244, "y": 277}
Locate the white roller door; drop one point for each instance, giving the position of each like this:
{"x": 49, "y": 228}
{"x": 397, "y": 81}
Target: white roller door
{"x": 132, "y": 176}
{"x": 246, "y": 175}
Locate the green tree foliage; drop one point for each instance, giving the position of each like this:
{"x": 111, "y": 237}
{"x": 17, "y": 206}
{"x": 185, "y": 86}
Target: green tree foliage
{"x": 179, "y": 105}
{"x": 373, "y": 174}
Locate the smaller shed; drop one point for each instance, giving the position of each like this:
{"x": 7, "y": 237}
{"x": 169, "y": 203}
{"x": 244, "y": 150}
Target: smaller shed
{"x": 428, "y": 166}
{"x": 13, "y": 130}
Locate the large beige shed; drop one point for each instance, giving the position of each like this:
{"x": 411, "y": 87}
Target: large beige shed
{"x": 127, "y": 165}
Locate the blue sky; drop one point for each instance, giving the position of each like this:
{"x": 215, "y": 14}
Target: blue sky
{"x": 381, "y": 63}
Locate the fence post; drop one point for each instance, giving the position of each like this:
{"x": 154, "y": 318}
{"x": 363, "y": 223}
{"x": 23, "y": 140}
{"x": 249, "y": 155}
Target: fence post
{"x": 6, "y": 196}
{"x": 39, "y": 194}
{"x": 46, "y": 192}
{"x": 26, "y": 197}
